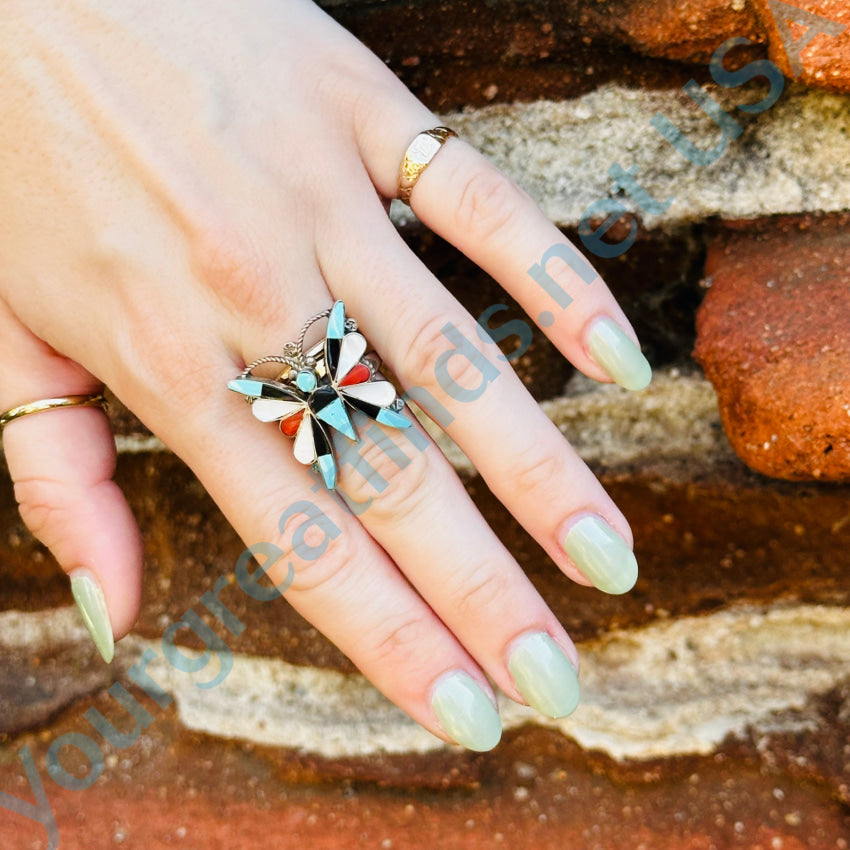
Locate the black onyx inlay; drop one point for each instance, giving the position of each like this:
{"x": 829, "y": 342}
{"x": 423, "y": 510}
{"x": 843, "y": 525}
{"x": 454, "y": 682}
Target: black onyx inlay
{"x": 320, "y": 438}
{"x": 322, "y": 397}
{"x": 332, "y": 349}
{"x": 366, "y": 407}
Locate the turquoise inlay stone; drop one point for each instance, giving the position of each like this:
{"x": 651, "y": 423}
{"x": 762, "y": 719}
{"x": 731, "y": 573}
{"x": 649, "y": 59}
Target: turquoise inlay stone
{"x": 336, "y": 416}
{"x": 246, "y": 386}
{"x": 336, "y": 321}
{"x": 305, "y": 380}
{"x": 393, "y": 419}
{"x": 327, "y": 468}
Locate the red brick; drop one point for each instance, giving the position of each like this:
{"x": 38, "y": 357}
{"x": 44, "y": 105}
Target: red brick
{"x": 826, "y": 60}
{"x": 473, "y": 52}
{"x": 688, "y": 32}
{"x": 773, "y": 336}
{"x": 691, "y": 32}
{"x": 179, "y": 789}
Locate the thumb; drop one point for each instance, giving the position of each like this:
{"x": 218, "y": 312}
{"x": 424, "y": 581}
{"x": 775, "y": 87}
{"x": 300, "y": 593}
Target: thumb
{"x": 62, "y": 462}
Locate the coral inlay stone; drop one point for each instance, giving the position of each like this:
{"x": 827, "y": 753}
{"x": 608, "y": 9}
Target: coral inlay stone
{"x": 358, "y": 375}
{"x": 290, "y": 425}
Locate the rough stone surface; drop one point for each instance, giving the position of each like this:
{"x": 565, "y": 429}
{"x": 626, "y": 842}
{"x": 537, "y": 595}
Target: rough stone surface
{"x": 774, "y": 339}
{"x": 671, "y": 689}
{"x": 688, "y": 32}
{"x": 734, "y": 725}
{"x": 536, "y": 791}
{"x": 826, "y": 60}
{"x": 790, "y": 159}
{"x": 469, "y": 52}
{"x": 36, "y": 683}
{"x": 461, "y": 53}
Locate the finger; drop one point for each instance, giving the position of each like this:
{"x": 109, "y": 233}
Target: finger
{"x": 62, "y": 462}
{"x": 333, "y": 572}
{"x": 433, "y": 346}
{"x": 467, "y": 201}
{"x": 411, "y": 501}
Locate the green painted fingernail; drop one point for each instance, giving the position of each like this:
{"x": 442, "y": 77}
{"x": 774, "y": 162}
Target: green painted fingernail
{"x": 466, "y": 713}
{"x": 615, "y": 352}
{"x": 92, "y": 606}
{"x": 544, "y": 675}
{"x": 601, "y": 555}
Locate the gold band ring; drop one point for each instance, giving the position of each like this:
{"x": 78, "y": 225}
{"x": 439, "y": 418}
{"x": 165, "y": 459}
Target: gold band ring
{"x": 418, "y": 157}
{"x": 52, "y": 404}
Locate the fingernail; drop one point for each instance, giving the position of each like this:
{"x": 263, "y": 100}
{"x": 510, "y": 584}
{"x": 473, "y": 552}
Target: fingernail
{"x": 92, "y": 606}
{"x": 615, "y": 352}
{"x": 544, "y": 675}
{"x": 466, "y": 713}
{"x": 601, "y": 555}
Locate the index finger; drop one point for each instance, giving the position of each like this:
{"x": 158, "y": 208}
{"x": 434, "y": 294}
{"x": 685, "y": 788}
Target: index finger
{"x": 470, "y": 203}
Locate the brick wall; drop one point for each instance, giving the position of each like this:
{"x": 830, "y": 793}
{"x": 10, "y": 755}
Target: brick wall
{"x": 716, "y": 696}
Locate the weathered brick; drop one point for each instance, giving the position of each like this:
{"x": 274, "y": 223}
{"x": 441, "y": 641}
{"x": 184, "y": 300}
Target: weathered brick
{"x": 181, "y": 789}
{"x": 471, "y": 52}
{"x": 825, "y": 61}
{"x": 773, "y": 336}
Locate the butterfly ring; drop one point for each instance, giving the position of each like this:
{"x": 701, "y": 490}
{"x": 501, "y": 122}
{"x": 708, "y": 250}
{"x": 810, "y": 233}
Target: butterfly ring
{"x": 316, "y": 390}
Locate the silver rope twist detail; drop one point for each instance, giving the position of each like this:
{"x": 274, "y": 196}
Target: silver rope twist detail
{"x": 293, "y": 352}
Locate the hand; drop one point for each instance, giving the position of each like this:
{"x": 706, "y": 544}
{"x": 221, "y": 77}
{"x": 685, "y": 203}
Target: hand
{"x": 184, "y": 185}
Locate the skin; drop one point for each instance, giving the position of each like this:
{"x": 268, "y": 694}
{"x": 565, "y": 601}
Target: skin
{"x": 184, "y": 184}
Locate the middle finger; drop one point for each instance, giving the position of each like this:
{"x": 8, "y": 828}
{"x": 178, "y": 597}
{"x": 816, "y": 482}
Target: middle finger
{"x": 434, "y": 347}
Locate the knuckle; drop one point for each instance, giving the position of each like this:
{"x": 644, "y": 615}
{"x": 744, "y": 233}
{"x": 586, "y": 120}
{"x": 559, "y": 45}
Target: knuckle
{"x": 482, "y": 592}
{"x": 334, "y": 81}
{"x": 397, "y": 492}
{"x": 424, "y": 342}
{"x": 490, "y": 205}
{"x": 400, "y": 641}
{"x": 345, "y": 90}
{"x": 533, "y": 469}
{"x": 350, "y": 84}
{"x": 162, "y": 354}
{"x": 329, "y": 568}
{"x": 429, "y": 340}
{"x": 231, "y": 262}
{"x": 42, "y": 503}
{"x": 170, "y": 361}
